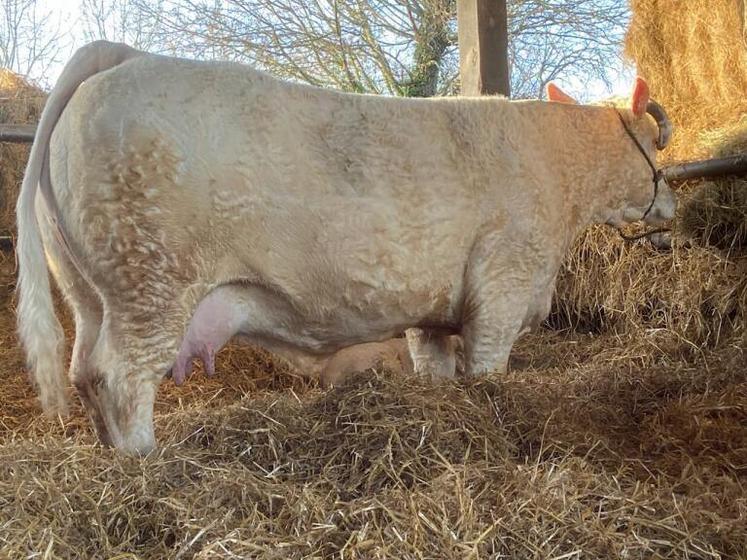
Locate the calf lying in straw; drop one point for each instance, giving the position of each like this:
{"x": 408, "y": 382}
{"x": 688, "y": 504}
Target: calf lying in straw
{"x": 393, "y": 355}
{"x": 186, "y": 202}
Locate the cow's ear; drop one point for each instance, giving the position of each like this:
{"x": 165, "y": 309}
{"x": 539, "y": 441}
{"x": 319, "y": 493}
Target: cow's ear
{"x": 554, "y": 93}
{"x": 640, "y": 99}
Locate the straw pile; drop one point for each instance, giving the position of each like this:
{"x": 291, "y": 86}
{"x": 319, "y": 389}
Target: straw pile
{"x": 715, "y": 214}
{"x": 694, "y": 56}
{"x": 695, "y": 53}
{"x": 630, "y": 442}
{"x": 596, "y": 459}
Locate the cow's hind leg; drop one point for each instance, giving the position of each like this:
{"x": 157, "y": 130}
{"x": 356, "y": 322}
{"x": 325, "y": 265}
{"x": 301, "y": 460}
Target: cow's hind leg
{"x": 88, "y": 316}
{"x": 432, "y": 352}
{"x": 135, "y": 348}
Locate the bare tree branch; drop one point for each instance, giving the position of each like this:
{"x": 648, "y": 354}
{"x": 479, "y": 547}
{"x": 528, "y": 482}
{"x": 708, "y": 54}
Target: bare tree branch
{"x": 30, "y": 38}
{"x": 399, "y": 47}
{"x": 117, "y": 20}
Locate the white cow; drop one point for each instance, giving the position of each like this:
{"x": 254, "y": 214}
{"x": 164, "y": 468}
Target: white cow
{"x": 184, "y": 202}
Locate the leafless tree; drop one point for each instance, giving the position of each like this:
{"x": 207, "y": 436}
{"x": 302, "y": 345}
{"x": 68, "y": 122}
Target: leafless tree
{"x": 400, "y": 47}
{"x": 119, "y": 20}
{"x": 550, "y": 39}
{"x": 382, "y": 46}
{"x": 30, "y": 38}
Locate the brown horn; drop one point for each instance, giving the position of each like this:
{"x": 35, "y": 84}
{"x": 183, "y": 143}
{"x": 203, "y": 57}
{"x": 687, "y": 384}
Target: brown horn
{"x": 665, "y": 125}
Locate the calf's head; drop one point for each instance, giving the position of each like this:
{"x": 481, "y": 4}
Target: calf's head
{"x": 635, "y": 134}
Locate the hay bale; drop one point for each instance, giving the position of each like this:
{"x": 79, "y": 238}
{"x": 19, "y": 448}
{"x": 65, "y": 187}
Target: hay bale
{"x": 694, "y": 54}
{"x": 728, "y": 140}
{"x": 715, "y": 214}
{"x": 20, "y": 103}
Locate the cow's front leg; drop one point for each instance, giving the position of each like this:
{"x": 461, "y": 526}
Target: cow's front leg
{"x": 498, "y": 293}
{"x": 488, "y": 339}
{"x": 432, "y": 353}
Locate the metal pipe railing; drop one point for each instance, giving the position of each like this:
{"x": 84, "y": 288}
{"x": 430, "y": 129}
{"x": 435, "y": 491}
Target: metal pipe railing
{"x": 732, "y": 165}
{"x": 17, "y": 133}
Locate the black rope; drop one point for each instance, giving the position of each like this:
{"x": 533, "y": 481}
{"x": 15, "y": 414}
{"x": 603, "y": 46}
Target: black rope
{"x": 657, "y": 176}
{"x": 644, "y": 234}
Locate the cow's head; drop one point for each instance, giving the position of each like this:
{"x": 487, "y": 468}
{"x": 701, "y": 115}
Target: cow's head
{"x": 637, "y": 132}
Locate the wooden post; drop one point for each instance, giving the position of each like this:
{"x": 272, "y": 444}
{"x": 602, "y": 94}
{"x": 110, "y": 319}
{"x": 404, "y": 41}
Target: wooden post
{"x": 483, "y": 47}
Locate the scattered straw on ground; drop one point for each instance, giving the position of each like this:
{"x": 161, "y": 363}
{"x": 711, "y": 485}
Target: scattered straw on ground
{"x": 592, "y": 459}
{"x": 592, "y": 447}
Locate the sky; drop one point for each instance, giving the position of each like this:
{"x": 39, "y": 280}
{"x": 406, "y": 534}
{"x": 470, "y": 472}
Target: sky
{"x": 66, "y": 12}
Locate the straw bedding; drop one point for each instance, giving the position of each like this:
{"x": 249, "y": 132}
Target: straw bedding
{"x": 590, "y": 447}
{"x": 620, "y": 431}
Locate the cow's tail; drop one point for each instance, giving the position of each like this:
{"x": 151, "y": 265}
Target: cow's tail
{"x": 38, "y": 327}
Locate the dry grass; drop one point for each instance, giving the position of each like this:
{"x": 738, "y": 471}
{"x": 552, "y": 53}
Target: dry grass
{"x": 590, "y": 448}
{"x": 728, "y": 140}
{"x": 693, "y": 293}
{"x": 714, "y": 212}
